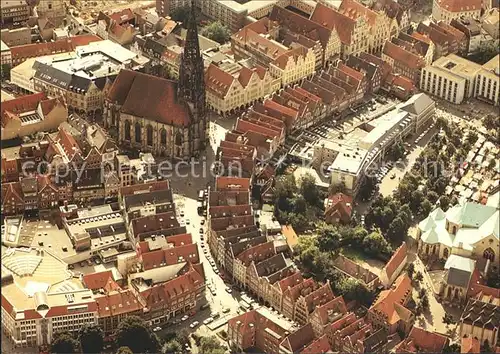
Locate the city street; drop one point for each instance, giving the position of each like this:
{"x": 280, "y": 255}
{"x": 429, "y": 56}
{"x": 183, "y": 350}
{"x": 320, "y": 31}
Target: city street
{"x": 388, "y": 184}
{"x": 185, "y": 186}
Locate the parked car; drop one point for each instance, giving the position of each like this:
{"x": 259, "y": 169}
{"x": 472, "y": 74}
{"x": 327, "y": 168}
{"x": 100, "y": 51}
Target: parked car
{"x": 201, "y": 231}
{"x": 393, "y": 176}
{"x": 182, "y": 213}
{"x": 202, "y": 222}
{"x": 89, "y": 262}
{"x": 214, "y": 293}
{"x": 194, "y": 324}
{"x": 229, "y": 290}
{"x": 156, "y": 329}
{"x": 226, "y": 310}
{"x": 185, "y": 317}
{"x": 82, "y": 264}
{"x": 208, "y": 320}
{"x": 188, "y": 221}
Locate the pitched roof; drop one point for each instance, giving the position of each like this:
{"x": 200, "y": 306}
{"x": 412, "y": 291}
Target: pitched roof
{"x": 389, "y": 301}
{"x": 299, "y": 339}
{"x": 100, "y": 280}
{"x": 336, "y": 305}
{"x": 354, "y": 10}
{"x": 479, "y": 313}
{"x": 318, "y": 346}
{"x": 299, "y": 24}
{"x": 397, "y": 258}
{"x": 150, "y": 97}
{"x": 402, "y": 55}
{"x": 470, "y": 345}
{"x": 422, "y": 341}
{"x": 232, "y": 184}
{"x": 218, "y": 81}
{"x": 460, "y": 5}
{"x": 117, "y": 303}
{"x": 332, "y": 19}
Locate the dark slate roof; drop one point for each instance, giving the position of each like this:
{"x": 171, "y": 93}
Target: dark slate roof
{"x": 361, "y": 65}
{"x": 374, "y": 342}
{"x": 59, "y": 78}
{"x": 90, "y": 178}
{"x": 155, "y": 46}
{"x": 271, "y": 265}
{"x": 155, "y": 197}
{"x": 458, "y": 277}
{"x": 481, "y": 314}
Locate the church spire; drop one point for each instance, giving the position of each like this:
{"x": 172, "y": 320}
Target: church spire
{"x": 191, "y": 71}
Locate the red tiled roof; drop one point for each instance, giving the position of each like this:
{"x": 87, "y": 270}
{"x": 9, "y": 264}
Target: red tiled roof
{"x": 63, "y": 310}
{"x": 144, "y": 187}
{"x": 422, "y": 341}
{"x": 335, "y": 305}
{"x": 389, "y": 301}
{"x": 150, "y": 97}
{"x": 232, "y": 183}
{"x": 169, "y": 256}
{"x": 245, "y": 76}
{"x": 122, "y": 16}
{"x": 261, "y": 71}
{"x": 354, "y": 9}
{"x": 301, "y": 25}
{"x": 12, "y": 191}
{"x": 340, "y": 204}
{"x": 290, "y": 281}
{"x": 33, "y": 314}
{"x": 257, "y": 253}
{"x": 154, "y": 222}
{"x": 68, "y": 143}
{"x": 470, "y": 345}
{"x": 401, "y": 82}
{"x": 244, "y": 126}
{"x": 287, "y": 111}
{"x": 6, "y": 305}
{"x": 117, "y": 303}
{"x": 460, "y": 5}
{"x": 401, "y": 55}
{"x": 84, "y": 39}
{"x": 477, "y": 287}
{"x": 100, "y": 280}
{"x": 318, "y": 346}
{"x": 20, "y": 105}
{"x": 397, "y": 258}
{"x": 358, "y": 75}
{"x": 218, "y": 81}
{"x": 333, "y": 19}
{"x": 298, "y": 340}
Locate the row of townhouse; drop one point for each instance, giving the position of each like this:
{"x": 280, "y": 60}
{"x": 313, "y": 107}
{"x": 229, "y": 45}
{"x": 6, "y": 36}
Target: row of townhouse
{"x": 79, "y": 164}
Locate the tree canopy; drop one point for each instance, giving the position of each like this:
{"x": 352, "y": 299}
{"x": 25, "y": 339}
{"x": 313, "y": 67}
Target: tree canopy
{"x": 91, "y": 339}
{"x": 172, "y": 347}
{"x": 64, "y": 343}
{"x": 134, "y": 333}
{"x": 181, "y": 14}
{"x": 216, "y": 31}
{"x": 211, "y": 345}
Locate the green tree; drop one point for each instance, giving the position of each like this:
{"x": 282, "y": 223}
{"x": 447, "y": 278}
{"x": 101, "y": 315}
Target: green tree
{"x": 134, "y": 333}
{"x": 309, "y": 190}
{"x": 367, "y": 187}
{"x": 444, "y": 202}
{"x": 447, "y": 319}
{"x": 424, "y": 301}
{"x": 397, "y": 230}
{"x": 352, "y": 289}
{"x": 419, "y": 276}
{"x": 452, "y": 349}
{"x": 124, "y": 350}
{"x": 432, "y": 197}
{"x": 172, "y": 347}
{"x": 328, "y": 238}
{"x": 216, "y": 31}
{"x": 396, "y": 151}
{"x": 416, "y": 199}
{"x": 284, "y": 191}
{"x": 64, "y": 343}
{"x": 375, "y": 244}
{"x": 426, "y": 207}
{"x": 210, "y": 345}
{"x": 183, "y": 336}
{"x": 181, "y": 14}
{"x": 410, "y": 270}
{"x": 91, "y": 339}
{"x": 337, "y": 188}
{"x": 487, "y": 51}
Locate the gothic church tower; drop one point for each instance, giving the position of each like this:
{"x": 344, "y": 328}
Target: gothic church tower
{"x": 192, "y": 84}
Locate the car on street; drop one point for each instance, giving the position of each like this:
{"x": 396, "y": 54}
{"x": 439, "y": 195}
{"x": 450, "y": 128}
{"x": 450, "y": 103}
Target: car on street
{"x": 188, "y": 221}
{"x": 202, "y": 222}
{"x": 182, "y": 214}
{"x": 226, "y": 310}
{"x": 194, "y": 324}
{"x": 201, "y": 231}
{"x": 214, "y": 293}
{"x": 216, "y": 271}
{"x": 89, "y": 262}
{"x": 185, "y": 317}
{"x": 229, "y": 290}
{"x": 208, "y": 320}
{"x": 205, "y": 250}
{"x": 393, "y": 176}
{"x": 97, "y": 260}
{"x": 156, "y": 329}
{"x": 202, "y": 244}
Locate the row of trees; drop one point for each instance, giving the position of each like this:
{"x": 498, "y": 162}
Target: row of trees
{"x": 133, "y": 335}
{"x": 394, "y": 215}
{"x": 297, "y": 204}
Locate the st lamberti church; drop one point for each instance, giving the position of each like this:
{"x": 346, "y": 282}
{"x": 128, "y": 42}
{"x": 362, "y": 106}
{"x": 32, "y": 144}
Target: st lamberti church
{"x": 161, "y": 116}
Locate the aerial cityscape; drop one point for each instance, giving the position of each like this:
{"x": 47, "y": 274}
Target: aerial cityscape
{"x": 250, "y": 176}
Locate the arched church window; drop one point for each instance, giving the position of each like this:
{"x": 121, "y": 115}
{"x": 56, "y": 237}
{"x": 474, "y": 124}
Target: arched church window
{"x": 127, "y": 130}
{"x": 138, "y": 133}
{"x": 149, "y": 135}
{"x": 163, "y": 137}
